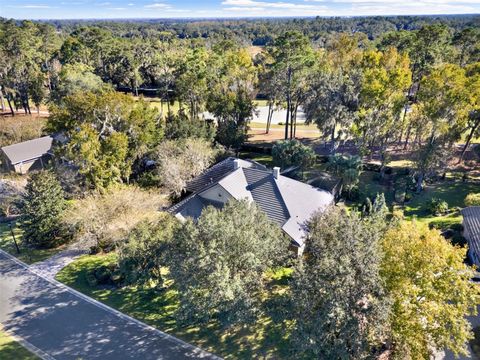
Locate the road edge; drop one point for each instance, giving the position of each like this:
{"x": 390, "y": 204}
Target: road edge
{"x": 200, "y": 353}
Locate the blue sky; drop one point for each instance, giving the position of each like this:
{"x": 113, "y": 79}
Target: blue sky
{"x": 75, "y": 9}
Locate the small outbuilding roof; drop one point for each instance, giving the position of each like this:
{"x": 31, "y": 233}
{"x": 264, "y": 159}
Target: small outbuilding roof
{"x": 471, "y": 223}
{"x": 28, "y": 150}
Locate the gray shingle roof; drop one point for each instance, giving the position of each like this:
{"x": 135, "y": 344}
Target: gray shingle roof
{"x": 266, "y": 194}
{"x": 28, "y": 150}
{"x": 471, "y": 223}
{"x": 287, "y": 202}
{"x": 219, "y": 171}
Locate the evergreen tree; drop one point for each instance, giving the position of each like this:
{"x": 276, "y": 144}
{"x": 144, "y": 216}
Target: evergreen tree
{"x": 337, "y": 296}
{"x": 42, "y": 206}
{"x": 218, "y": 263}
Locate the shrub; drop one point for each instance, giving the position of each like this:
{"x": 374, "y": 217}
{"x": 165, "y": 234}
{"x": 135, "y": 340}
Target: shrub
{"x": 472, "y": 199}
{"x": 351, "y": 193}
{"x": 293, "y": 153}
{"x": 459, "y": 240}
{"x": 182, "y": 127}
{"x": 98, "y": 221}
{"x": 437, "y": 206}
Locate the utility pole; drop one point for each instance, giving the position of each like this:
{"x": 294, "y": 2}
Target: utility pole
{"x": 13, "y": 236}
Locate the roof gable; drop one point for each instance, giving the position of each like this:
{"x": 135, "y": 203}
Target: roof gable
{"x": 218, "y": 171}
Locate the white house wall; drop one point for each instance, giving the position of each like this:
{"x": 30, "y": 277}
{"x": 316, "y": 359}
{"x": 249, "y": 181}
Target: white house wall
{"x": 216, "y": 194}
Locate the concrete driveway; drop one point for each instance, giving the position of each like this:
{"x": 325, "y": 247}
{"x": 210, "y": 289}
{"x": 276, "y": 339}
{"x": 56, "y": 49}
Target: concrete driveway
{"x": 59, "y": 323}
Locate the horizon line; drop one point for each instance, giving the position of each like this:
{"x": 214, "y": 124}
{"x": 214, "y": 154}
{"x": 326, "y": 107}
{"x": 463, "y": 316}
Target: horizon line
{"x": 240, "y": 17}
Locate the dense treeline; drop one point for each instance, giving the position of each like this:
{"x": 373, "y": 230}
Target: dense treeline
{"x": 261, "y": 31}
{"x": 417, "y": 86}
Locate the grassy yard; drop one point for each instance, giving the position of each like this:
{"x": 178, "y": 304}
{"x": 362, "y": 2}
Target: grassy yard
{"x": 265, "y": 339}
{"x": 264, "y": 159}
{"x": 10, "y": 349}
{"x": 27, "y": 255}
{"x": 451, "y": 190}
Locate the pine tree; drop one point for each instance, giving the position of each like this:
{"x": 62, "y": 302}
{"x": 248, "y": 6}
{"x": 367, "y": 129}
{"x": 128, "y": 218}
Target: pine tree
{"x": 42, "y": 206}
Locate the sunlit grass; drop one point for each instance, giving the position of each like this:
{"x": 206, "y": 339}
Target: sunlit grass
{"x": 27, "y": 255}
{"x": 266, "y": 337}
{"x": 10, "y": 349}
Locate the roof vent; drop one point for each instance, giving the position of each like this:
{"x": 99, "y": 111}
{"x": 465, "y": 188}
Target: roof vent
{"x": 276, "y": 172}
{"x": 236, "y": 164}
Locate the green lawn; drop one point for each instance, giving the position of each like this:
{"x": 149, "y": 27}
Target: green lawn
{"x": 28, "y": 256}
{"x": 10, "y": 349}
{"x": 450, "y": 190}
{"x": 266, "y": 338}
{"x": 264, "y": 159}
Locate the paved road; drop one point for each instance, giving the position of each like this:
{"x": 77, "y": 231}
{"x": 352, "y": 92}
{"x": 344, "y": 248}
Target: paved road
{"x": 63, "y": 324}
{"x": 261, "y": 115}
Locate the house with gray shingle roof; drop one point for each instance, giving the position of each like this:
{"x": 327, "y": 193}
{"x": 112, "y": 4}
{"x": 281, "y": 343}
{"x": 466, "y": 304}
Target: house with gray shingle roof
{"x": 287, "y": 202}
{"x": 471, "y": 232}
{"x": 25, "y": 156}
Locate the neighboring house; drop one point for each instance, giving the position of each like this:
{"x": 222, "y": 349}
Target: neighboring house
{"x": 471, "y": 232}
{"x": 287, "y": 202}
{"x": 26, "y": 156}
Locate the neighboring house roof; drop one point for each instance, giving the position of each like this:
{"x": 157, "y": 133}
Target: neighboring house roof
{"x": 287, "y": 202}
{"x": 28, "y": 150}
{"x": 471, "y": 223}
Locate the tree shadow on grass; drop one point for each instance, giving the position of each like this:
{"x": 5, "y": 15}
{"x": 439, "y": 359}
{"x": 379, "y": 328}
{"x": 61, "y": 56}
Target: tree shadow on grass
{"x": 264, "y": 338}
{"x": 69, "y": 327}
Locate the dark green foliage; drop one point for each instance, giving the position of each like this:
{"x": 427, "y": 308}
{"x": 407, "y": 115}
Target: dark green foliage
{"x": 182, "y": 127}
{"x": 457, "y": 227}
{"x": 437, "y": 206}
{"x": 42, "y": 205}
{"x": 288, "y": 153}
{"x": 337, "y": 298}
{"x": 231, "y": 134}
{"x": 458, "y": 239}
{"x": 219, "y": 262}
{"x": 144, "y": 252}
{"x": 348, "y": 169}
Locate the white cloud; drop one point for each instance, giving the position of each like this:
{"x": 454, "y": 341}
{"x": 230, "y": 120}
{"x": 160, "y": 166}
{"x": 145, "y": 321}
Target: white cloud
{"x": 276, "y": 5}
{"x": 157, "y": 6}
{"x": 33, "y": 6}
{"x": 244, "y": 9}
